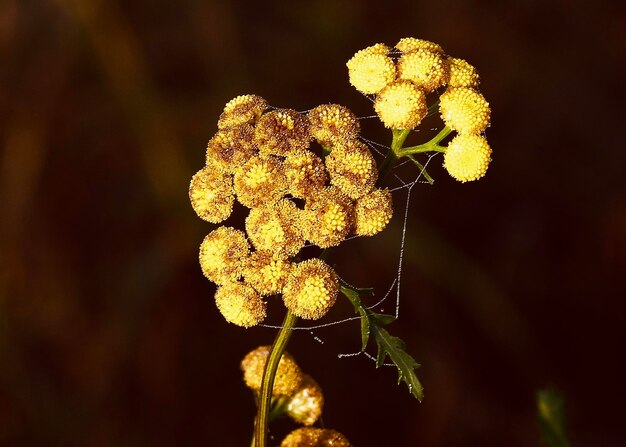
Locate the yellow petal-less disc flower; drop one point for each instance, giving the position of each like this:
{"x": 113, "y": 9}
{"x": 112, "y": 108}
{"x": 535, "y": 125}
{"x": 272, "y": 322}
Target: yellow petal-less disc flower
{"x": 305, "y": 406}
{"x": 315, "y": 437}
{"x": 311, "y": 289}
{"x": 377, "y": 48}
{"x": 281, "y": 131}
{"x": 352, "y": 169}
{"x": 333, "y": 124}
{"x": 373, "y": 212}
{"x": 408, "y": 44}
{"x": 305, "y": 173}
{"x": 370, "y": 71}
{"x": 467, "y": 157}
{"x": 289, "y": 376}
{"x": 274, "y": 229}
{"x": 212, "y": 195}
{"x": 464, "y": 110}
{"x": 328, "y": 217}
{"x": 260, "y": 181}
{"x": 244, "y": 109}
{"x": 223, "y": 253}
{"x": 461, "y": 73}
{"x": 401, "y": 105}
{"x": 266, "y": 273}
{"x": 240, "y": 304}
{"x": 230, "y": 148}
{"x": 426, "y": 69}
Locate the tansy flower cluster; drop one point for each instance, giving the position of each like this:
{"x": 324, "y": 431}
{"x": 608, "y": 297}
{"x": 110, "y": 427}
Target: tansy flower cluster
{"x": 300, "y": 397}
{"x": 402, "y": 77}
{"x": 306, "y": 179}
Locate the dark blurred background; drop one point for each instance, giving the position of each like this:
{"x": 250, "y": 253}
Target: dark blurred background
{"x": 108, "y": 331}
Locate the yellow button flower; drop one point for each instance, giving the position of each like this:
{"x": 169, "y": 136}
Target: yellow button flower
{"x": 401, "y": 105}
{"x": 289, "y": 376}
{"x": 311, "y": 289}
{"x": 230, "y": 148}
{"x": 408, "y": 44}
{"x": 467, "y": 157}
{"x": 281, "y": 131}
{"x": 305, "y": 173}
{"x": 244, "y": 109}
{"x": 352, "y": 169}
{"x": 461, "y": 73}
{"x": 223, "y": 253}
{"x": 373, "y": 212}
{"x": 274, "y": 229}
{"x": 240, "y": 304}
{"x": 315, "y": 437}
{"x": 426, "y": 69}
{"x": 464, "y": 110}
{"x": 333, "y": 124}
{"x": 328, "y": 217}
{"x": 370, "y": 71}
{"x": 260, "y": 181}
{"x": 212, "y": 195}
{"x": 305, "y": 406}
{"x": 266, "y": 273}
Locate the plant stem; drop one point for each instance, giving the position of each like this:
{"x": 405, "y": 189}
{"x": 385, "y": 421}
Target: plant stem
{"x": 399, "y": 136}
{"x": 429, "y": 146}
{"x": 269, "y": 374}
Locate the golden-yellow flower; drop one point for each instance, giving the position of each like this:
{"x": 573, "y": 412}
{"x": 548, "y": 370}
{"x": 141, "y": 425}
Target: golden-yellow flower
{"x": 467, "y": 157}
{"x": 352, "y": 169}
{"x": 230, "y": 148}
{"x": 408, "y": 44}
{"x": 426, "y": 69}
{"x": 260, "y": 181}
{"x": 333, "y": 124}
{"x": 274, "y": 229}
{"x": 311, "y": 289}
{"x": 328, "y": 217}
{"x": 212, "y": 195}
{"x": 373, "y": 212}
{"x": 315, "y": 437}
{"x": 370, "y": 71}
{"x": 464, "y": 110}
{"x": 266, "y": 273}
{"x": 289, "y": 376}
{"x": 401, "y": 105}
{"x": 281, "y": 131}
{"x": 305, "y": 173}
{"x": 462, "y": 74}
{"x": 223, "y": 253}
{"x": 244, "y": 109}
{"x": 305, "y": 406}
{"x": 240, "y": 304}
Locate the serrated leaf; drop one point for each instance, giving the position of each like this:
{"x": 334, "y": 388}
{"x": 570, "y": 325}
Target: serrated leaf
{"x": 551, "y": 414}
{"x": 393, "y": 347}
{"x": 355, "y": 299}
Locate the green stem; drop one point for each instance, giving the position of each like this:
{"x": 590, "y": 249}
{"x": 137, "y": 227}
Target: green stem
{"x": 399, "y": 137}
{"x": 422, "y": 169}
{"x": 269, "y": 374}
{"x": 429, "y": 146}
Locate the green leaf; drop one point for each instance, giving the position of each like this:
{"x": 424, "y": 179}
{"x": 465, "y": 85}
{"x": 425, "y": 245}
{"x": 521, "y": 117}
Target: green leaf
{"x": 388, "y": 345}
{"x": 551, "y": 414}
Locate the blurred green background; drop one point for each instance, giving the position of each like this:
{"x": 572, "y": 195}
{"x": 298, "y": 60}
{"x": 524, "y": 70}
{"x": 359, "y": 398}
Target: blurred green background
{"x": 108, "y": 331}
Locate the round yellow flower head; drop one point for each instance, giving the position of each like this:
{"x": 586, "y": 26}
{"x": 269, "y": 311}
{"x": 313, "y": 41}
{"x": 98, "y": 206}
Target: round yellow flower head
{"x": 274, "y": 229}
{"x": 408, "y": 44}
{"x": 328, "y": 217}
{"x": 467, "y": 157}
{"x": 260, "y": 181}
{"x": 244, "y": 109}
{"x": 223, "y": 253}
{"x": 352, "y": 169}
{"x": 426, "y": 69}
{"x": 288, "y": 376}
{"x": 266, "y": 273}
{"x": 281, "y": 131}
{"x": 461, "y": 73}
{"x": 240, "y": 304}
{"x": 315, "y": 437}
{"x": 211, "y": 194}
{"x": 305, "y": 173}
{"x": 464, "y": 110}
{"x": 230, "y": 148}
{"x": 377, "y": 48}
{"x": 370, "y": 71}
{"x": 311, "y": 289}
{"x": 306, "y": 405}
{"x": 401, "y": 105}
{"x": 373, "y": 212}
{"x": 333, "y": 124}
